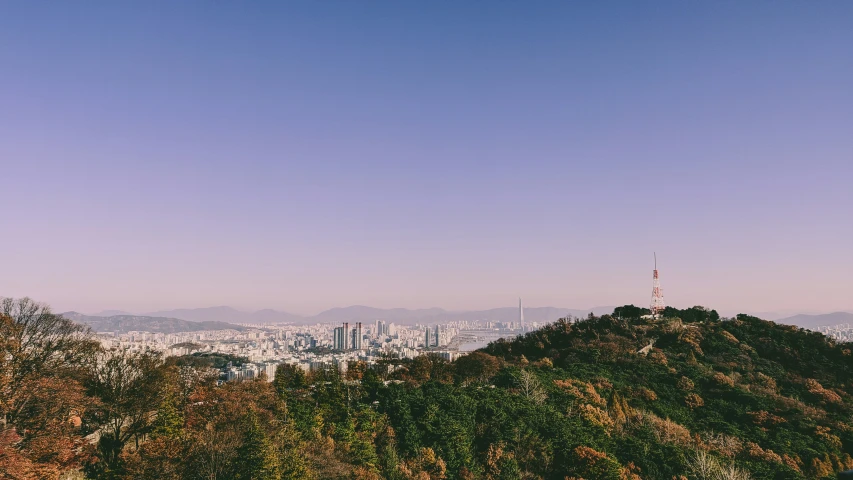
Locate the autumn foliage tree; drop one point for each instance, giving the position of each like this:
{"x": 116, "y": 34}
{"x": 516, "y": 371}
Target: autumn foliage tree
{"x": 43, "y": 358}
{"x": 129, "y": 387}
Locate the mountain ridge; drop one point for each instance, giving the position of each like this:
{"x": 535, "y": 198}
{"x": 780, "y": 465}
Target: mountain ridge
{"x": 405, "y": 316}
{"x": 820, "y": 320}
{"x": 227, "y": 314}
{"x": 354, "y": 313}
{"x": 130, "y": 323}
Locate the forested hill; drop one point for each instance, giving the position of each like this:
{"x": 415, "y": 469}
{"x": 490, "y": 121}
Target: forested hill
{"x": 771, "y": 400}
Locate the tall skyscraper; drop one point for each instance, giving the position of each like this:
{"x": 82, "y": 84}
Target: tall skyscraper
{"x": 356, "y": 337}
{"x": 347, "y": 337}
{"x": 520, "y": 314}
{"x": 338, "y": 338}
{"x": 343, "y": 338}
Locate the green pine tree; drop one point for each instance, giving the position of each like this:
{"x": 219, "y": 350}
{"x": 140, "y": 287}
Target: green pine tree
{"x": 170, "y": 420}
{"x": 256, "y": 457}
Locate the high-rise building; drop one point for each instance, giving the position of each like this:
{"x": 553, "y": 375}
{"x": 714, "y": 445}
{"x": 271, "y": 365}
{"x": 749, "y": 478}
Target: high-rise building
{"x": 347, "y": 337}
{"x": 339, "y": 338}
{"x": 356, "y": 337}
{"x": 520, "y": 315}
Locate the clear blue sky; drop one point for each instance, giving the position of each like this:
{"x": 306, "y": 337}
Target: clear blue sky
{"x": 304, "y": 155}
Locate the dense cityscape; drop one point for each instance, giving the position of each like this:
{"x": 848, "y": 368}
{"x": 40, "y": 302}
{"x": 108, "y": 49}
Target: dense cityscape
{"x": 320, "y": 346}
{"x": 841, "y": 332}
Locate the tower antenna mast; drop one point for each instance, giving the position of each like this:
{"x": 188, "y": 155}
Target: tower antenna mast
{"x": 658, "y": 304}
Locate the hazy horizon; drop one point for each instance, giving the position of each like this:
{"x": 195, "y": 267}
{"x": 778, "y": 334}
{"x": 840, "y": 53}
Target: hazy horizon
{"x": 768, "y": 315}
{"x": 305, "y": 156}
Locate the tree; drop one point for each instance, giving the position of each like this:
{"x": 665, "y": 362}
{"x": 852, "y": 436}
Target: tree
{"x": 704, "y": 466}
{"x": 426, "y": 466}
{"x": 389, "y": 460}
{"x": 290, "y": 452}
{"x": 42, "y": 359}
{"x": 590, "y": 463}
{"x": 476, "y": 367}
{"x": 256, "y": 458}
{"x": 212, "y": 448}
{"x": 630, "y": 312}
{"x": 169, "y": 421}
{"x": 15, "y": 464}
{"x": 289, "y": 377}
{"x": 217, "y": 423}
{"x": 36, "y": 344}
{"x": 693, "y": 314}
{"x": 530, "y": 387}
{"x": 355, "y": 370}
{"x": 49, "y": 423}
{"x": 429, "y": 367}
{"x": 500, "y": 465}
{"x": 161, "y": 458}
{"x": 129, "y": 386}
{"x": 186, "y": 374}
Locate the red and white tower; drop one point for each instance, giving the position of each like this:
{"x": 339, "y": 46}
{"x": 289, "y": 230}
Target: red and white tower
{"x": 657, "y": 294}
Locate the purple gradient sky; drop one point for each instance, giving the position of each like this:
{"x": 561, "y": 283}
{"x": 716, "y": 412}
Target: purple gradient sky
{"x": 304, "y": 155}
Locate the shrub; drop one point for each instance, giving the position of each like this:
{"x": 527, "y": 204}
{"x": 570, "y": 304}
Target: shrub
{"x": 693, "y": 401}
{"x": 685, "y": 384}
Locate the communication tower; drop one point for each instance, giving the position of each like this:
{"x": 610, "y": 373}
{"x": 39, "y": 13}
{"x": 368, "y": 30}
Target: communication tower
{"x": 657, "y": 294}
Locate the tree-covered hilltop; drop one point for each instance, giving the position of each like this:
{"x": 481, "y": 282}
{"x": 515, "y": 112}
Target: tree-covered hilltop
{"x": 769, "y": 399}
{"x": 621, "y": 396}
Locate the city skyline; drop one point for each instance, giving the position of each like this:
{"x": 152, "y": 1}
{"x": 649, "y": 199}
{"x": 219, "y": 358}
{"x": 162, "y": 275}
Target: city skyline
{"x": 301, "y": 157}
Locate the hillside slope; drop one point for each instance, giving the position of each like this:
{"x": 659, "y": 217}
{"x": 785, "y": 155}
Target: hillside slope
{"x": 770, "y": 399}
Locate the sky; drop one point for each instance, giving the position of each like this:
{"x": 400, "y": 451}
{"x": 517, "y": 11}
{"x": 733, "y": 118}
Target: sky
{"x": 308, "y": 155}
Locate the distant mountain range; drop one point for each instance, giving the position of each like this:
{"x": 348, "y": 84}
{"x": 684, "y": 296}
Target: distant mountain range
{"x": 438, "y": 315}
{"x": 216, "y": 318}
{"x": 143, "y": 323}
{"x": 814, "y": 321}
{"x": 228, "y": 314}
{"x": 356, "y": 313}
